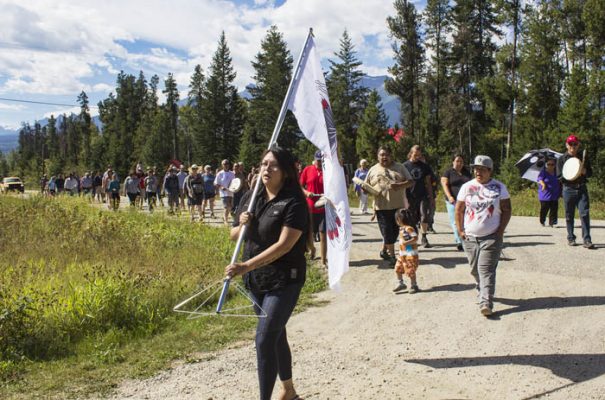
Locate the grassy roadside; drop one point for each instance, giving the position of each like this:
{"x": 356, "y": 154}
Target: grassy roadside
{"x": 86, "y": 296}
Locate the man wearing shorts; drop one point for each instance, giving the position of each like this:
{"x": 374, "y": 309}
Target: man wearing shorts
{"x": 222, "y": 181}
{"x": 420, "y": 195}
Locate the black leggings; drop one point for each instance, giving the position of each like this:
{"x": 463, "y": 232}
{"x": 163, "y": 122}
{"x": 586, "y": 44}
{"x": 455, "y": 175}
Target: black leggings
{"x": 551, "y": 208}
{"x": 273, "y": 354}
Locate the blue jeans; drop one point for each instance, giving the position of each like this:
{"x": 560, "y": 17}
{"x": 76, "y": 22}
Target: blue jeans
{"x": 573, "y": 198}
{"x": 272, "y": 349}
{"x": 451, "y": 212}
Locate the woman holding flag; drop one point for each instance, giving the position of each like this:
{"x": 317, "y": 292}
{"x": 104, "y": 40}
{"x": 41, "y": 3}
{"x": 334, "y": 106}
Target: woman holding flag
{"x": 274, "y": 264}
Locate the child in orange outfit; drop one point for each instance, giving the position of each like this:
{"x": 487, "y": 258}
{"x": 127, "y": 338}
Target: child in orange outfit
{"x": 407, "y": 261}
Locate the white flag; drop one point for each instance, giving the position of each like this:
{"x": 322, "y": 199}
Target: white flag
{"x": 311, "y": 106}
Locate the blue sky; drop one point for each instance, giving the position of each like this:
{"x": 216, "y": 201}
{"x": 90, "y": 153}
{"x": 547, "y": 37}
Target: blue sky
{"x": 51, "y": 50}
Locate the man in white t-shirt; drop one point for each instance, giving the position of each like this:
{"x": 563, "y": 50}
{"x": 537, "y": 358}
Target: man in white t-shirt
{"x": 222, "y": 181}
{"x": 483, "y": 209}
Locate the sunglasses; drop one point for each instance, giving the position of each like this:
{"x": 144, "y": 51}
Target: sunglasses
{"x": 573, "y": 144}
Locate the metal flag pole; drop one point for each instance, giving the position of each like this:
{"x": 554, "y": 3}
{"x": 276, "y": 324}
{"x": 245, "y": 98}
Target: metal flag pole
{"x": 278, "y": 125}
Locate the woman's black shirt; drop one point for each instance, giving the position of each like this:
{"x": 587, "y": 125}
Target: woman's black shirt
{"x": 289, "y": 209}
{"x": 455, "y": 180}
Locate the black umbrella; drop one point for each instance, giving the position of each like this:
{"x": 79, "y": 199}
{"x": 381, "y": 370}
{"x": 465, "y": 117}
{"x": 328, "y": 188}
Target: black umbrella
{"x": 533, "y": 161}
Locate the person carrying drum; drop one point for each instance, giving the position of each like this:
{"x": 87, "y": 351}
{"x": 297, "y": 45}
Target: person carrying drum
{"x": 573, "y": 173}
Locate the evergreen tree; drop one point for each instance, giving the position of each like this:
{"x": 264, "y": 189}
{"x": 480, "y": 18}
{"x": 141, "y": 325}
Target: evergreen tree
{"x": 52, "y": 144}
{"x": 272, "y": 75}
{"x": 512, "y": 16}
{"x": 409, "y": 58}
{"x": 438, "y": 20}
{"x": 85, "y": 122}
{"x": 347, "y": 97}
{"x": 172, "y": 109}
{"x": 471, "y": 61}
{"x": 541, "y": 76}
{"x": 195, "y": 100}
{"x": 372, "y": 128}
{"x": 575, "y": 113}
{"x": 4, "y": 168}
{"x": 223, "y": 109}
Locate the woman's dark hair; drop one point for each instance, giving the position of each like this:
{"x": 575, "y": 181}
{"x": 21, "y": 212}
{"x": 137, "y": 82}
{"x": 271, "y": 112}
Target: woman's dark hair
{"x": 456, "y": 156}
{"x": 404, "y": 216}
{"x": 286, "y": 162}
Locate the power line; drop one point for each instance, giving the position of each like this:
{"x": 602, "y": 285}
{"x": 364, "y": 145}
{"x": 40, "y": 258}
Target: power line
{"x": 42, "y": 102}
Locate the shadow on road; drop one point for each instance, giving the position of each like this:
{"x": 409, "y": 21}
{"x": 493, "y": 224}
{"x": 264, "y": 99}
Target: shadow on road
{"x": 367, "y": 240}
{"x": 546, "y": 303}
{"x": 365, "y": 263}
{"x": 446, "y": 262}
{"x": 452, "y": 287}
{"x": 520, "y": 236}
{"x": 575, "y": 367}
{"x": 526, "y": 244}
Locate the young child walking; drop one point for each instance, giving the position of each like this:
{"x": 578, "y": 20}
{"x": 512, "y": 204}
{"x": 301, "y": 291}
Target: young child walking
{"x": 407, "y": 261}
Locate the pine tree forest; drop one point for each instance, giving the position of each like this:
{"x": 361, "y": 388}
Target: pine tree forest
{"x": 474, "y": 77}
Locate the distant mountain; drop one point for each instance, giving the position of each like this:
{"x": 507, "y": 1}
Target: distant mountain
{"x": 8, "y": 142}
{"x": 390, "y": 103}
{"x": 7, "y": 131}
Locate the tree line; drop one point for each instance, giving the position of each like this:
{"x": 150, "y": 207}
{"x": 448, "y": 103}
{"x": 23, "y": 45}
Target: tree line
{"x": 472, "y": 76}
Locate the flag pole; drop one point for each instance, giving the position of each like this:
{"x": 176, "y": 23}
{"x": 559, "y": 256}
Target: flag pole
{"x": 272, "y": 141}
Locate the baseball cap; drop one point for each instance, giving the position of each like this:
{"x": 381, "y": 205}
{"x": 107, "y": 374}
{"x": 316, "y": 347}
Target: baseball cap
{"x": 363, "y": 161}
{"x": 318, "y": 155}
{"x": 572, "y": 139}
{"x": 194, "y": 166}
{"x": 483, "y": 161}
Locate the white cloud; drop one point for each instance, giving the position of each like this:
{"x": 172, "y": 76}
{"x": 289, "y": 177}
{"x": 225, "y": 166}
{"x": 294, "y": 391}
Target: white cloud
{"x": 12, "y": 107}
{"x": 85, "y": 32}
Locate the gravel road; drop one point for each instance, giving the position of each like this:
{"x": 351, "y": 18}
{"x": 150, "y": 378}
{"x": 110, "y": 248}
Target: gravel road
{"x": 546, "y": 340}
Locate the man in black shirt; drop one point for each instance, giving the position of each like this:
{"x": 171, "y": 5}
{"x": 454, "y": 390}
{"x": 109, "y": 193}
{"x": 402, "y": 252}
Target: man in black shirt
{"x": 575, "y": 193}
{"x": 420, "y": 196}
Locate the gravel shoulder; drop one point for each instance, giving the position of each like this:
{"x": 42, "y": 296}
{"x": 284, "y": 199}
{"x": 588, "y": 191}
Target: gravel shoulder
{"x": 547, "y": 339}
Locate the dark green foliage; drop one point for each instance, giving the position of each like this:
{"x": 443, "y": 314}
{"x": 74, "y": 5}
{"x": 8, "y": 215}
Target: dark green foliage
{"x": 372, "y": 130}
{"x": 409, "y": 59}
{"x": 272, "y": 74}
{"x": 224, "y": 110}
{"x": 347, "y": 97}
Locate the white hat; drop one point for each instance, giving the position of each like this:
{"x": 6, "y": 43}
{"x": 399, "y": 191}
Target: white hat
{"x": 194, "y": 166}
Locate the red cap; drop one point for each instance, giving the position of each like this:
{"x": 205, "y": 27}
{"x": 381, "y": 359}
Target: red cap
{"x": 572, "y": 139}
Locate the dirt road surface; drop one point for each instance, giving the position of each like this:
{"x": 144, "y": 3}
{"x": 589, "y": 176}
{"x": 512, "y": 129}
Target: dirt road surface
{"x": 546, "y": 340}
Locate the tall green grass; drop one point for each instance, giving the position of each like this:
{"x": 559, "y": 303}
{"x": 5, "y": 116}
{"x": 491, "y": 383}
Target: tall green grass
{"x": 67, "y": 271}
{"x": 91, "y": 289}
